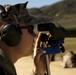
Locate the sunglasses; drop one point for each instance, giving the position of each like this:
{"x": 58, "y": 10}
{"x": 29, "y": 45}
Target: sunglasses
{"x": 31, "y": 28}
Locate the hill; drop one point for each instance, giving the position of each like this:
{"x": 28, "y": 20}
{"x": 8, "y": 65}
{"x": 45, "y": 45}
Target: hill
{"x": 63, "y": 12}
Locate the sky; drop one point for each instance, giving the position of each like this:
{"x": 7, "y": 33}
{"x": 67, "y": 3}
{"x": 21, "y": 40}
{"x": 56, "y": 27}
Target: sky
{"x": 31, "y": 3}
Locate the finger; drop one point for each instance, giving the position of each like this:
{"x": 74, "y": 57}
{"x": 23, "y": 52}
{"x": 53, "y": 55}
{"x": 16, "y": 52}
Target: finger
{"x": 49, "y": 35}
{"x": 39, "y": 54}
{"x": 50, "y": 57}
{"x": 38, "y": 41}
{"x": 41, "y": 44}
{"x": 37, "y": 44}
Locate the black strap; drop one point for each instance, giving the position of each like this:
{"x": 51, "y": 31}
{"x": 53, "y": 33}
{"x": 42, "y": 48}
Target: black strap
{"x": 3, "y": 72}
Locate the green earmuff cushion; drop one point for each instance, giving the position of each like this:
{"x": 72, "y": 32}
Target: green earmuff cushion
{"x": 11, "y": 35}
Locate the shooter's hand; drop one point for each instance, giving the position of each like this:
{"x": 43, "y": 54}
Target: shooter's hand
{"x": 39, "y": 59}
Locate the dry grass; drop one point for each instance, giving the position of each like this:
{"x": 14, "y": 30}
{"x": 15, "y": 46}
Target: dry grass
{"x": 70, "y": 44}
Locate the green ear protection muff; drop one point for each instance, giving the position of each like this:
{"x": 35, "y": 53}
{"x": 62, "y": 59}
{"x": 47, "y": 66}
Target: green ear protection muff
{"x": 11, "y": 35}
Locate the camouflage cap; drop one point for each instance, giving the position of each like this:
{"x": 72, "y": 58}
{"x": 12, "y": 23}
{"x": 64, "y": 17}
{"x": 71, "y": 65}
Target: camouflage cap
{"x": 21, "y": 13}
{"x": 17, "y": 9}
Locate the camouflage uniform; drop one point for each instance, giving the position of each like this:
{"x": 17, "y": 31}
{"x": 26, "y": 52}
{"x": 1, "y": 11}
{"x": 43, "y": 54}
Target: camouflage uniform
{"x": 6, "y": 66}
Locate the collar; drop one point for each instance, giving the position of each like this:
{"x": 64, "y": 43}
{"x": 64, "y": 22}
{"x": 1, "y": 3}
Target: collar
{"x": 6, "y": 64}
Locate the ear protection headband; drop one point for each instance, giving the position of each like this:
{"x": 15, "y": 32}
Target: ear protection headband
{"x": 11, "y": 35}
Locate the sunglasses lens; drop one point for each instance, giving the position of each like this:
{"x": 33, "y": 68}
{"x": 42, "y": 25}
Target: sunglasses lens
{"x": 31, "y": 27}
